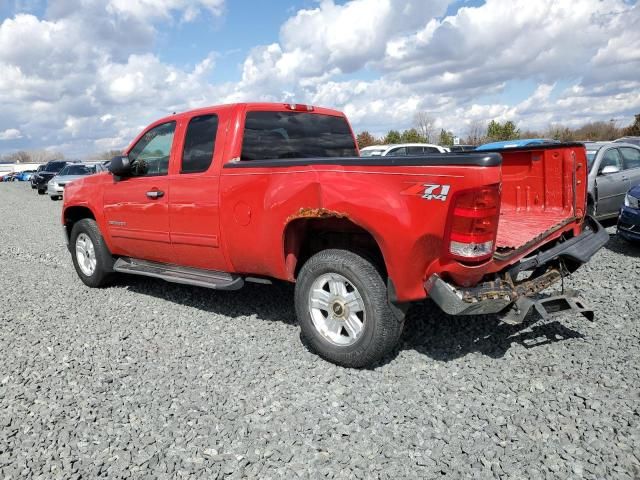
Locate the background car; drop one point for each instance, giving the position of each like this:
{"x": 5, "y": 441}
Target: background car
{"x": 373, "y": 150}
{"x": 72, "y": 171}
{"x": 9, "y": 177}
{"x": 629, "y": 219}
{"x": 404, "y": 149}
{"x": 25, "y": 175}
{"x": 461, "y": 148}
{"x": 49, "y": 171}
{"x": 631, "y": 140}
{"x": 521, "y": 142}
{"x": 613, "y": 169}
{"x": 34, "y": 177}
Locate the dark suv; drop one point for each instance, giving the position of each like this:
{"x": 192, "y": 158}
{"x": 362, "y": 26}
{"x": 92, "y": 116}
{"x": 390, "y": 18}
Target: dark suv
{"x": 41, "y": 178}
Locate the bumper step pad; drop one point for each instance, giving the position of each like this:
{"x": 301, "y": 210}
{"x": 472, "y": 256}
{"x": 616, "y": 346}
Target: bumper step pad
{"x": 547, "y": 308}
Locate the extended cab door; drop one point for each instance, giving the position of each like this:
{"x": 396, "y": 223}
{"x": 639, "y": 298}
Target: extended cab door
{"x": 194, "y": 208}
{"x": 612, "y": 187}
{"x": 136, "y": 208}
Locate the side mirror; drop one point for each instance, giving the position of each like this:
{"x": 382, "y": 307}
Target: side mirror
{"x": 609, "y": 169}
{"x": 120, "y": 166}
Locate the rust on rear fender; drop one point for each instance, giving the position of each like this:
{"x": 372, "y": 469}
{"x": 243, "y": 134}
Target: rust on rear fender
{"x": 316, "y": 213}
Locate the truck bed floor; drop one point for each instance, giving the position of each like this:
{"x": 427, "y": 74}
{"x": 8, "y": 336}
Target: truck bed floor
{"x": 516, "y": 228}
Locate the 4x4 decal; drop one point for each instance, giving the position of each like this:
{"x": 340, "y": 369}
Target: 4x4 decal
{"x": 429, "y": 191}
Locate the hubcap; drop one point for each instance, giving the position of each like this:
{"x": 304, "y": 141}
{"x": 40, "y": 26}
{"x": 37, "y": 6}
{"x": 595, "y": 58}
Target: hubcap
{"x": 86, "y": 254}
{"x": 337, "y": 309}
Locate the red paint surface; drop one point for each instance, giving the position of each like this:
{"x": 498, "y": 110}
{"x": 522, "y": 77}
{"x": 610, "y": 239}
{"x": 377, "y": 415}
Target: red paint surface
{"x": 236, "y": 219}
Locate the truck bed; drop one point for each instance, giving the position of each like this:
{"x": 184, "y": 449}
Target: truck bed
{"x": 543, "y": 189}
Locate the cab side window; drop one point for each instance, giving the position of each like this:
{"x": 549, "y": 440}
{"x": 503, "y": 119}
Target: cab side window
{"x": 631, "y": 157}
{"x": 611, "y": 158}
{"x": 199, "y": 144}
{"x": 150, "y": 156}
{"x": 397, "y": 152}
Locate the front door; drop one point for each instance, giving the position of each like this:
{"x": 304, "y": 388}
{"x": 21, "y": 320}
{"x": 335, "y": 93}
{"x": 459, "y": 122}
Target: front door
{"x": 611, "y": 187}
{"x": 137, "y": 207}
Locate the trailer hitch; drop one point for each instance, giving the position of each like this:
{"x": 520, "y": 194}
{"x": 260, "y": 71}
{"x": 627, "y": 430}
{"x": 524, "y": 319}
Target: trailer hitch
{"x": 547, "y": 308}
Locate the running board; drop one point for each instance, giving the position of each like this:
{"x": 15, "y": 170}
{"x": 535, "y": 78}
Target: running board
{"x": 177, "y": 274}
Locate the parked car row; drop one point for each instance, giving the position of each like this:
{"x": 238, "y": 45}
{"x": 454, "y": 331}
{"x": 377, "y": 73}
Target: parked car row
{"x": 23, "y": 176}
{"x": 73, "y": 171}
{"x": 52, "y": 177}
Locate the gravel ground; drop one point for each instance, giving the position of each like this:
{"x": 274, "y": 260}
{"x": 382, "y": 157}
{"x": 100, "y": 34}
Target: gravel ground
{"x": 149, "y": 379}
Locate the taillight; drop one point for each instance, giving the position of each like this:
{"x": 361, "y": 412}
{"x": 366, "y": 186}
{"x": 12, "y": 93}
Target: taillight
{"x": 474, "y": 223}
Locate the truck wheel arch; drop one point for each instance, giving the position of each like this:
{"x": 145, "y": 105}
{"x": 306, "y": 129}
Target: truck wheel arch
{"x": 74, "y": 214}
{"x": 304, "y": 236}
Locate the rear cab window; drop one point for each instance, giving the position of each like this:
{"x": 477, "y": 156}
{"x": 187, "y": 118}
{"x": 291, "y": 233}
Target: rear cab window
{"x": 199, "y": 143}
{"x": 281, "y": 135}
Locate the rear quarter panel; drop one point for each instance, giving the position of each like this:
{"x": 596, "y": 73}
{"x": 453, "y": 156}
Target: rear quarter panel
{"x": 258, "y": 203}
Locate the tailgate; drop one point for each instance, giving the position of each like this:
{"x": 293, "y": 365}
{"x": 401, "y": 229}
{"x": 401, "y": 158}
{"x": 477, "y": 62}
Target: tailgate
{"x": 544, "y": 190}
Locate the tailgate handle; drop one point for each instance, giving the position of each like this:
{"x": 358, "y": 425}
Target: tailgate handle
{"x": 155, "y": 194}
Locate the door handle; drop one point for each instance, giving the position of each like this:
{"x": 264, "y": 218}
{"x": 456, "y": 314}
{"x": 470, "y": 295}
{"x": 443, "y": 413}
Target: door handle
{"x": 155, "y": 194}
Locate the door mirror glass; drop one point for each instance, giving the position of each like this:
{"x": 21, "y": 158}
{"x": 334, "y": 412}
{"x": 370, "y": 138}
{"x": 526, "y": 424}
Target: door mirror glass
{"x": 120, "y": 166}
{"x": 609, "y": 169}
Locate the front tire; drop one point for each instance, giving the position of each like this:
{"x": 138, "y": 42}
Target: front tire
{"x": 41, "y": 192}
{"x": 91, "y": 257}
{"x": 343, "y": 309}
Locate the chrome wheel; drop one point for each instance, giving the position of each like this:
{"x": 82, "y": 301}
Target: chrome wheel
{"x": 337, "y": 309}
{"x": 86, "y": 254}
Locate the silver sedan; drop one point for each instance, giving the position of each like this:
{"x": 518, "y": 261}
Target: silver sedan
{"x": 613, "y": 169}
{"x": 55, "y": 187}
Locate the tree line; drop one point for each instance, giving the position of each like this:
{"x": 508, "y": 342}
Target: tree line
{"x": 423, "y": 131}
{"x": 479, "y": 132}
{"x": 44, "y": 156}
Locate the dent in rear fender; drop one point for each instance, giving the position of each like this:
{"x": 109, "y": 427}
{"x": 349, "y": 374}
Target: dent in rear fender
{"x": 407, "y": 228}
{"x": 406, "y": 213}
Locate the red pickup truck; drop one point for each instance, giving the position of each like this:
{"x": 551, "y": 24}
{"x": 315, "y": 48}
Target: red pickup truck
{"x": 254, "y": 192}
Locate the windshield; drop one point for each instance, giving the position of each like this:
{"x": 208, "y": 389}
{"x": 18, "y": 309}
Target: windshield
{"x": 55, "y": 166}
{"x": 78, "y": 170}
{"x": 591, "y": 156}
{"x": 273, "y": 135}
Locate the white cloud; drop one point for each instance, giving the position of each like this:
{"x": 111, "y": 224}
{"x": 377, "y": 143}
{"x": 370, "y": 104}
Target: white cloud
{"x": 72, "y": 78}
{"x": 145, "y": 9}
{"x": 10, "y": 134}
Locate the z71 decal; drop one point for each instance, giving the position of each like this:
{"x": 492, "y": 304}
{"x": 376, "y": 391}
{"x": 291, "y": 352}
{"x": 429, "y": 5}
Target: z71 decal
{"x": 429, "y": 191}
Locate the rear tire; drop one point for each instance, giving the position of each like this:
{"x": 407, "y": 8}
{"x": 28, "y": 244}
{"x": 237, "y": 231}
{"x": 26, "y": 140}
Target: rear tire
{"x": 41, "y": 192}
{"x": 91, "y": 257}
{"x": 343, "y": 309}
{"x": 54, "y": 198}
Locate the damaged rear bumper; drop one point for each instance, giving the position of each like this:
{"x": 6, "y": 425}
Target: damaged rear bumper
{"x": 495, "y": 296}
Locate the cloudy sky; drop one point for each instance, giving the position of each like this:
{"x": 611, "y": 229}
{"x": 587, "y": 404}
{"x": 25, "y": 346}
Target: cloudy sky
{"x": 83, "y": 76}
